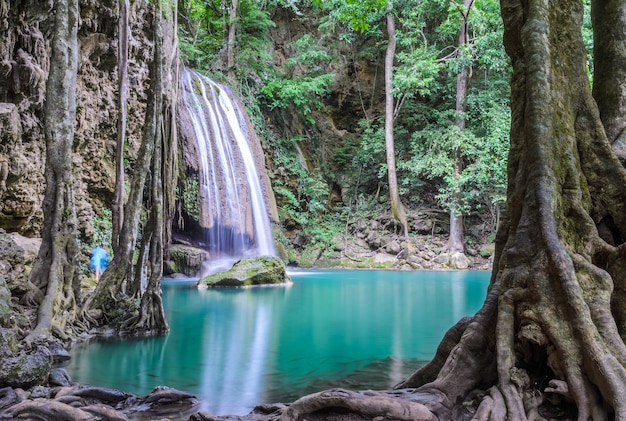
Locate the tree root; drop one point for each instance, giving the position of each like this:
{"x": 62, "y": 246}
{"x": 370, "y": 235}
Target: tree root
{"x": 367, "y": 403}
{"x": 44, "y": 409}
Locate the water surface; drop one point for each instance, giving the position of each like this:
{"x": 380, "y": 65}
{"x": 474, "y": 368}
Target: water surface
{"x": 235, "y": 348}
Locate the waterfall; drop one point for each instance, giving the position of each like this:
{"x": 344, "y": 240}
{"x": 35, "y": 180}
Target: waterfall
{"x": 233, "y": 209}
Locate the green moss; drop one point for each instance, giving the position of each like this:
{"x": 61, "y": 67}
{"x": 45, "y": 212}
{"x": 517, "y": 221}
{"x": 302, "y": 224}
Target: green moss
{"x": 260, "y": 270}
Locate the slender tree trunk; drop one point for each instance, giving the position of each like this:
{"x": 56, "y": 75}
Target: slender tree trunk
{"x": 232, "y": 32}
{"x": 170, "y": 132}
{"x": 151, "y": 318}
{"x": 609, "y": 59}
{"x": 397, "y": 208}
{"x": 122, "y": 81}
{"x": 56, "y": 268}
{"x": 116, "y": 287}
{"x": 456, "y": 241}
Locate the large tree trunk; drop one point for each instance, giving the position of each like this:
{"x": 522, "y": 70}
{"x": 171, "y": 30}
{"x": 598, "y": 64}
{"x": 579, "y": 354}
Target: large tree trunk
{"x": 548, "y": 328}
{"x": 397, "y": 208}
{"x": 56, "y": 268}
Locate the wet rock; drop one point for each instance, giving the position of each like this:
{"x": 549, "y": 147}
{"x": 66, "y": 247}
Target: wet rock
{"x": 362, "y": 244}
{"x": 415, "y": 265}
{"x": 40, "y": 392}
{"x": 101, "y": 394}
{"x": 373, "y": 240}
{"x": 7, "y": 397}
{"x": 59, "y": 377}
{"x": 58, "y": 352}
{"x": 260, "y": 270}
{"x": 408, "y": 250}
{"x": 339, "y": 243}
{"x": 186, "y": 259}
{"x": 424, "y": 255}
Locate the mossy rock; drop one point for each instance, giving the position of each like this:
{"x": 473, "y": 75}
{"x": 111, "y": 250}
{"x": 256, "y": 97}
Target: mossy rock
{"x": 259, "y": 270}
{"x": 185, "y": 259}
{"x": 5, "y": 302}
{"x": 25, "y": 369}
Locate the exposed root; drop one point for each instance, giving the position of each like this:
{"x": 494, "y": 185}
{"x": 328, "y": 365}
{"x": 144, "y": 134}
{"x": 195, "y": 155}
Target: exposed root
{"x": 367, "y": 403}
{"x": 505, "y": 344}
{"x": 44, "y": 409}
{"x": 559, "y": 387}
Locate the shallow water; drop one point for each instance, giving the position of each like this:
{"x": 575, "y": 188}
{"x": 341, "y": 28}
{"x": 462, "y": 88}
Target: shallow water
{"x": 235, "y": 348}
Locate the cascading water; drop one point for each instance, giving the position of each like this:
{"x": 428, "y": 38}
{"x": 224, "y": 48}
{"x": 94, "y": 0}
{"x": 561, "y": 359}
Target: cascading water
{"x": 233, "y": 210}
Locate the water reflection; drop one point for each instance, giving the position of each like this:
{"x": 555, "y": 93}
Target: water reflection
{"x": 238, "y": 348}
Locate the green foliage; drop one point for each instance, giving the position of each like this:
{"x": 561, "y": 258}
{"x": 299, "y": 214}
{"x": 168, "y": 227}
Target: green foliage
{"x": 359, "y": 15}
{"x": 203, "y": 34}
{"x": 201, "y": 31}
{"x": 302, "y": 81}
{"x": 303, "y": 203}
{"x": 483, "y": 148}
{"x": 187, "y": 192}
{"x": 103, "y": 227}
{"x": 303, "y": 93}
{"x": 424, "y": 87}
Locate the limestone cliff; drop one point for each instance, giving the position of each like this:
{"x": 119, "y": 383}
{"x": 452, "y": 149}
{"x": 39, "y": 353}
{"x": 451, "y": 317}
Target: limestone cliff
{"x": 24, "y": 66}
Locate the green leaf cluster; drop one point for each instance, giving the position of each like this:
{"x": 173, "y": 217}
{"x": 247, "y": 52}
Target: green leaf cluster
{"x": 302, "y": 81}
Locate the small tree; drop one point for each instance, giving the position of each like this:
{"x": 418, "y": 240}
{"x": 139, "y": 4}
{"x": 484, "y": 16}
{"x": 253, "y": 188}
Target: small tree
{"x": 397, "y": 208}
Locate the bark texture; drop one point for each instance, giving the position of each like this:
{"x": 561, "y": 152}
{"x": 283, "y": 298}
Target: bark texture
{"x": 151, "y": 318}
{"x": 609, "y": 59}
{"x": 117, "y": 207}
{"x": 127, "y": 282}
{"x": 397, "y": 208}
{"x": 56, "y": 268}
{"x": 456, "y": 242}
{"x": 548, "y": 340}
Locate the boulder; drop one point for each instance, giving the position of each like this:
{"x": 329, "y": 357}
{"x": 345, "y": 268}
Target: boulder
{"x": 459, "y": 260}
{"x": 443, "y": 259}
{"x": 393, "y": 247}
{"x": 25, "y": 369}
{"x": 259, "y": 270}
{"x": 186, "y": 259}
{"x": 384, "y": 259}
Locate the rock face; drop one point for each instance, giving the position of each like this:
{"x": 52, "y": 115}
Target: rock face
{"x": 24, "y": 65}
{"x": 259, "y": 270}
